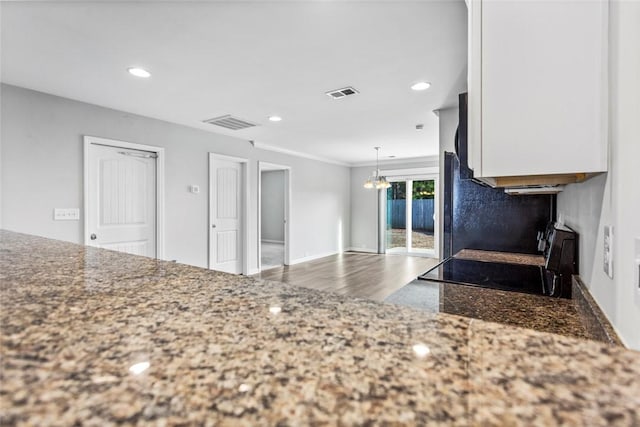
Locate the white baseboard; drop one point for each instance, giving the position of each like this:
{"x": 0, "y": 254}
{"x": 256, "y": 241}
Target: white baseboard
{"x": 273, "y": 241}
{"x": 311, "y": 258}
{"x": 366, "y": 250}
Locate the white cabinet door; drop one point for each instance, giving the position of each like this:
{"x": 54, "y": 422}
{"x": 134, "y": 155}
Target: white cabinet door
{"x": 543, "y": 78}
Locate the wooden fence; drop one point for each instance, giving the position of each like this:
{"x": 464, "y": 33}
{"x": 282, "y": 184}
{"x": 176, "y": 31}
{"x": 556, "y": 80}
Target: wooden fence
{"x": 421, "y": 214}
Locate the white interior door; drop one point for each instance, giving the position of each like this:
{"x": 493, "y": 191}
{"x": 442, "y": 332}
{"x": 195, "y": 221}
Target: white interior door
{"x": 121, "y": 199}
{"x": 225, "y": 237}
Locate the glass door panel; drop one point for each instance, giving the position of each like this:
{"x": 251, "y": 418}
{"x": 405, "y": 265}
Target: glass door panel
{"x": 396, "y": 216}
{"x": 422, "y": 215}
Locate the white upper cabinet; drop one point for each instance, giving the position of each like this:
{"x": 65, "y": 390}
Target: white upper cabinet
{"x": 537, "y": 87}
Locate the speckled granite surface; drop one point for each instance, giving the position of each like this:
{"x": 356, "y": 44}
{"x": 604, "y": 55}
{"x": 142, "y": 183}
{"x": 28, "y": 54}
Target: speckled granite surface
{"x": 541, "y": 313}
{"x": 492, "y": 256}
{"x": 596, "y": 323}
{"x": 78, "y": 323}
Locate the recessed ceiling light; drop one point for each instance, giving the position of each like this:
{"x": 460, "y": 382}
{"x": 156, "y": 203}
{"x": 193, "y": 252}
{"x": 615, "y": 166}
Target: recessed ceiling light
{"x": 421, "y": 86}
{"x": 275, "y": 118}
{"x": 139, "y": 72}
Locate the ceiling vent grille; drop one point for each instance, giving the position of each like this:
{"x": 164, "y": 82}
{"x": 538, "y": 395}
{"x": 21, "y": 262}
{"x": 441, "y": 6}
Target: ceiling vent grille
{"x": 342, "y": 93}
{"x": 230, "y": 122}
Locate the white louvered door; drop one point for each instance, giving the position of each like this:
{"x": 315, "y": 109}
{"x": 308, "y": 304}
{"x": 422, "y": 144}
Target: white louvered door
{"x": 122, "y": 199}
{"x": 225, "y": 242}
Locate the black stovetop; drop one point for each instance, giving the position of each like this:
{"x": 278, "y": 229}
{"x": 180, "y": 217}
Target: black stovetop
{"x": 507, "y": 277}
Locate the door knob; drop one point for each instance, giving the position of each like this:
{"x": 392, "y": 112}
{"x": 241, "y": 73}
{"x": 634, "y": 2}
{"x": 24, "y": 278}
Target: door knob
{"x": 93, "y": 237}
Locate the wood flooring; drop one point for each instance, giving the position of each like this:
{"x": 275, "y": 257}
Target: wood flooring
{"x": 354, "y": 274}
{"x": 272, "y": 254}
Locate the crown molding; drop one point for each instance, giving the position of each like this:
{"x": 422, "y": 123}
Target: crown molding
{"x": 388, "y": 162}
{"x": 434, "y": 159}
{"x": 294, "y": 153}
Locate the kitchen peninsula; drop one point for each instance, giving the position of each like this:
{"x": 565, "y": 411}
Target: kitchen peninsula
{"x": 96, "y": 337}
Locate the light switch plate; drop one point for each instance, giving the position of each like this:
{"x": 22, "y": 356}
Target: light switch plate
{"x": 66, "y": 214}
{"x": 608, "y": 250}
{"x": 637, "y": 266}
{"x": 637, "y": 273}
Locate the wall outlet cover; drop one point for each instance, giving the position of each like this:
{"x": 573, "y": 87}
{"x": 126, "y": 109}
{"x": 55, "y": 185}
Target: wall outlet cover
{"x": 66, "y": 214}
{"x": 608, "y": 250}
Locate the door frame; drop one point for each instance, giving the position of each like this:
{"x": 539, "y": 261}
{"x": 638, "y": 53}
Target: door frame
{"x": 244, "y": 197}
{"x": 265, "y": 166}
{"x": 160, "y": 172}
{"x": 418, "y": 174}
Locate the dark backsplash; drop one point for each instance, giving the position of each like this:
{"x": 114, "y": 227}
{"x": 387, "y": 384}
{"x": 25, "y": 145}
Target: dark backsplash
{"x": 480, "y": 217}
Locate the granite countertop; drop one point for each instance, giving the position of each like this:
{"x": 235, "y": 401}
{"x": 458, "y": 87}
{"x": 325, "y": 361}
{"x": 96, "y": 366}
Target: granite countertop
{"x": 80, "y": 325}
{"x": 541, "y": 313}
{"x": 506, "y": 257}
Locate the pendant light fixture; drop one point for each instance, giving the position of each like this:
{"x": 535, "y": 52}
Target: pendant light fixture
{"x": 376, "y": 181}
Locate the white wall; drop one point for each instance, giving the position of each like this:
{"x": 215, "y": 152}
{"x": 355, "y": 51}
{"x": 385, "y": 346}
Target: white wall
{"x": 614, "y": 199}
{"x": 448, "y": 123}
{"x": 42, "y": 169}
{"x": 1, "y": 176}
{"x": 272, "y": 210}
{"x": 364, "y": 203}
{"x": 364, "y": 211}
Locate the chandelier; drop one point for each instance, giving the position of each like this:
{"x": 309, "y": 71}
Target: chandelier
{"x": 375, "y": 180}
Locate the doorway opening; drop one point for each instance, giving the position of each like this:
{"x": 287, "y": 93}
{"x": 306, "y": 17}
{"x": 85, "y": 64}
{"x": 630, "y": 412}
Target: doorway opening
{"x": 273, "y": 215}
{"x": 124, "y": 196}
{"x": 411, "y": 220}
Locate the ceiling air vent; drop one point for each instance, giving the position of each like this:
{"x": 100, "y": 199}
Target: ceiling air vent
{"x": 342, "y": 93}
{"x": 230, "y": 122}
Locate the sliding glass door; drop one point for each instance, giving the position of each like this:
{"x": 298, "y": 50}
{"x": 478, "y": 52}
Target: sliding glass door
{"x": 396, "y": 216}
{"x": 411, "y": 216}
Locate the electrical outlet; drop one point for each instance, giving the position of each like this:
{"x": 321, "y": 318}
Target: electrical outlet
{"x": 608, "y": 250}
{"x": 66, "y": 214}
